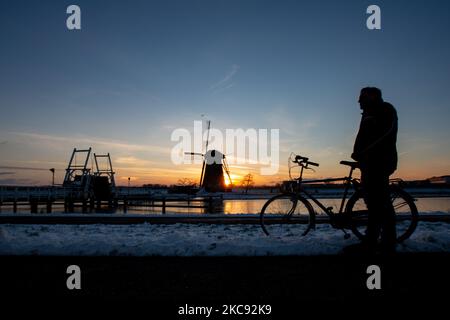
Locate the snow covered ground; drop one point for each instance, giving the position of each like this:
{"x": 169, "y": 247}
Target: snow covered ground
{"x": 193, "y": 240}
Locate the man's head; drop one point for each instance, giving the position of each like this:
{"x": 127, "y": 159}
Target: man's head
{"x": 369, "y": 97}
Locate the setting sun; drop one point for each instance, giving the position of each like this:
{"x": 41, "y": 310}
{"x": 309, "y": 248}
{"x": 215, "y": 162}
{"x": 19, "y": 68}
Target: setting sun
{"x": 234, "y": 179}
{"x": 227, "y": 180}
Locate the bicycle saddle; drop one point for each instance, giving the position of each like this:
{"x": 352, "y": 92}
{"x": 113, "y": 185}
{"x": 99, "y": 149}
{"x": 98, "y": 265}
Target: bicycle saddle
{"x": 352, "y": 164}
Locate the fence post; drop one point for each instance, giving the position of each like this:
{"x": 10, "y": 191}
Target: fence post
{"x": 210, "y": 205}
{"x": 49, "y": 206}
{"x": 84, "y": 206}
{"x": 164, "y": 205}
{"x": 33, "y": 206}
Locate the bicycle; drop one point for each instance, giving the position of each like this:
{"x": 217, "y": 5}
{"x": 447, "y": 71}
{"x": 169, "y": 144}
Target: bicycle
{"x": 290, "y": 207}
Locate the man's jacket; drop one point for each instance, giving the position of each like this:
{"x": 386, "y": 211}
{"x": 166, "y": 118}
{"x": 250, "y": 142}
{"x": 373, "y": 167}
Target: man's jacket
{"x": 375, "y": 145}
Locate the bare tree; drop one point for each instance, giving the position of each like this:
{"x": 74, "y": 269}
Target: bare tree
{"x": 188, "y": 182}
{"x": 247, "y": 182}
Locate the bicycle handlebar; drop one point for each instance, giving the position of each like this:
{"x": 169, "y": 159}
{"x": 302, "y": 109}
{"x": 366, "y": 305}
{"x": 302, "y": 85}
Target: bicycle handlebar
{"x": 303, "y": 160}
{"x": 312, "y": 163}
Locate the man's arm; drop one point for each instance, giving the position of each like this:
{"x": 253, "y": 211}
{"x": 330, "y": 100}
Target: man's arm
{"x": 373, "y": 132}
{"x": 364, "y": 137}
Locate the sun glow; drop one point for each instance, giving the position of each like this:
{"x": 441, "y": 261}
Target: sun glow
{"x": 227, "y": 180}
{"x": 234, "y": 179}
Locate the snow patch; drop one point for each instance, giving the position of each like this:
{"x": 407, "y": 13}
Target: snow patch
{"x": 194, "y": 240}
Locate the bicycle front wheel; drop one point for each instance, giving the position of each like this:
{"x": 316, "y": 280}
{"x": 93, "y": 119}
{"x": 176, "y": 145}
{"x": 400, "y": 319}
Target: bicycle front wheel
{"x": 286, "y": 215}
{"x": 405, "y": 209}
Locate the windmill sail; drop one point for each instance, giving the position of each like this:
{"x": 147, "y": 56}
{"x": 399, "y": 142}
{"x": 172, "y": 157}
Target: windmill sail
{"x": 206, "y": 150}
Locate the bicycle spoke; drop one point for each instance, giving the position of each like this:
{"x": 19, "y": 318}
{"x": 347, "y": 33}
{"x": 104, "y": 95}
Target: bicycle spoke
{"x": 404, "y": 208}
{"x": 400, "y": 205}
{"x": 284, "y": 216}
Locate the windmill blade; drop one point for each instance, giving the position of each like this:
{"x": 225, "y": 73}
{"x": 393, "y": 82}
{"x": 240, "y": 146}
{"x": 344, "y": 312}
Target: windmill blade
{"x": 204, "y": 155}
{"x": 207, "y": 136}
{"x": 201, "y": 175}
{"x": 194, "y": 154}
{"x": 225, "y": 166}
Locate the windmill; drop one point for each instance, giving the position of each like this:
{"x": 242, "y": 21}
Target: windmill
{"x": 214, "y": 164}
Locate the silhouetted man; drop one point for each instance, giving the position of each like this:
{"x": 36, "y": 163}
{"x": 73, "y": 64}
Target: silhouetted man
{"x": 375, "y": 150}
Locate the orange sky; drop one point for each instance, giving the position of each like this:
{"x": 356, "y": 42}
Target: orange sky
{"x": 146, "y": 163}
{"x": 171, "y": 176}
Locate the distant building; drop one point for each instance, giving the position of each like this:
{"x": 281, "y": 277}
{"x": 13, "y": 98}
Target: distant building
{"x": 440, "y": 180}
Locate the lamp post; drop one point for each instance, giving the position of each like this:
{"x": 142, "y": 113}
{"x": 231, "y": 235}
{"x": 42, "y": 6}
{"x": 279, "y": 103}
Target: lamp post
{"x": 129, "y": 178}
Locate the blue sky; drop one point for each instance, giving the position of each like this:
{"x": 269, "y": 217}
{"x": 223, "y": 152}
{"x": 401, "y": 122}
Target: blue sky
{"x": 139, "y": 69}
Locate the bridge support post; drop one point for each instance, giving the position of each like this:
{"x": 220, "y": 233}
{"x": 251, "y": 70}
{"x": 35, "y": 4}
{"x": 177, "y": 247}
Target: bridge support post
{"x": 49, "y": 206}
{"x": 210, "y": 205}
{"x": 84, "y": 206}
{"x": 33, "y": 206}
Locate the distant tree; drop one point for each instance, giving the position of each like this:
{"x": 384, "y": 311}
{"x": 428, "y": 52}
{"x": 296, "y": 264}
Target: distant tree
{"x": 188, "y": 182}
{"x": 247, "y": 182}
{"x": 277, "y": 186}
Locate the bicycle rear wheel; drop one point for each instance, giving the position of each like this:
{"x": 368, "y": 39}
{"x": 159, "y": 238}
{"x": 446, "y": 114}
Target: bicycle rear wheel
{"x": 405, "y": 211}
{"x": 286, "y": 215}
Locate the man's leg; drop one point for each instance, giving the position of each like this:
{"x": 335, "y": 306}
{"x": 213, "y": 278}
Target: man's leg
{"x": 388, "y": 221}
{"x": 371, "y": 185}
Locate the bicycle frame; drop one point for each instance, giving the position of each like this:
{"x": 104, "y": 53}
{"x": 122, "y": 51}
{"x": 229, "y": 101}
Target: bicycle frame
{"x": 349, "y": 181}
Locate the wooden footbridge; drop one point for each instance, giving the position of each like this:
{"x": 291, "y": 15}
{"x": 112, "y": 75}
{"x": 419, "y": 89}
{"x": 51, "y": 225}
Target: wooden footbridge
{"x": 45, "y": 199}
{"x": 92, "y": 188}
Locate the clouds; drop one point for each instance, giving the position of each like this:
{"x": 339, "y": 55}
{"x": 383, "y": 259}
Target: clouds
{"x": 52, "y": 150}
{"x": 93, "y": 141}
{"x": 5, "y": 173}
{"x": 20, "y": 168}
{"x": 18, "y": 181}
{"x": 131, "y": 161}
{"x": 227, "y": 81}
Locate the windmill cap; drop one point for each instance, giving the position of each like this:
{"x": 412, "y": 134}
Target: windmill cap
{"x": 214, "y": 156}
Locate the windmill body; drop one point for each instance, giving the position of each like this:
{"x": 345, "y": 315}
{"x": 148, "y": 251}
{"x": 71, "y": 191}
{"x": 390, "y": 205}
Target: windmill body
{"x": 213, "y": 179}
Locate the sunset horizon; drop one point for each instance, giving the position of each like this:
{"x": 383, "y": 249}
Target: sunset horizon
{"x": 145, "y": 171}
